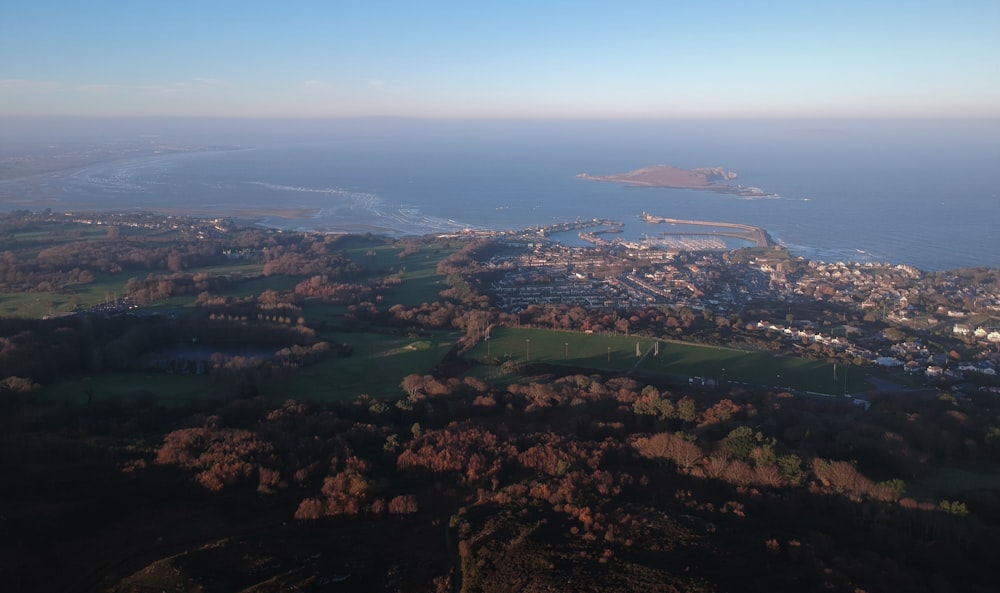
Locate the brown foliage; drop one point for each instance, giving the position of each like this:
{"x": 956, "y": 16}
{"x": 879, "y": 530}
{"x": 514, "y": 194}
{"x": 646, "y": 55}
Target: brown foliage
{"x": 470, "y": 451}
{"x": 310, "y": 508}
{"x": 721, "y": 411}
{"x": 403, "y": 505}
{"x": 220, "y": 457}
{"x": 842, "y": 477}
{"x": 18, "y": 385}
{"x": 670, "y": 446}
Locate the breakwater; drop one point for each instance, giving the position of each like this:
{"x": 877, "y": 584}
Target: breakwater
{"x": 747, "y": 232}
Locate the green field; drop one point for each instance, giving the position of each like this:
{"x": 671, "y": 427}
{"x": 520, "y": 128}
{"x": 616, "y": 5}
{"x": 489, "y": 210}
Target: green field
{"x": 421, "y": 282}
{"x": 32, "y": 305}
{"x": 677, "y": 360}
{"x": 376, "y": 367}
{"x": 108, "y": 286}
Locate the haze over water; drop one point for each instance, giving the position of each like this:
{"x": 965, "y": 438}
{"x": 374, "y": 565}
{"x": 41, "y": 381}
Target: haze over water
{"x": 917, "y": 192}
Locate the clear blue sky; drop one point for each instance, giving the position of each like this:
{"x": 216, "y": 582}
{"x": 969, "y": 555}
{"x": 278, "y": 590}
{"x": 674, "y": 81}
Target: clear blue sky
{"x": 534, "y": 58}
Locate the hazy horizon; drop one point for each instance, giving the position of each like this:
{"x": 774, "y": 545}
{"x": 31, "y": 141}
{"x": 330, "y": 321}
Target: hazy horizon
{"x": 444, "y": 59}
{"x": 81, "y": 128}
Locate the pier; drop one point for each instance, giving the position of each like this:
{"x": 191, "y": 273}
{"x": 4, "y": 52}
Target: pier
{"x": 755, "y": 235}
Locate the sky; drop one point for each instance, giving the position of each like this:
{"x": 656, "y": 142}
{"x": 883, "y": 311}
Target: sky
{"x": 513, "y": 59}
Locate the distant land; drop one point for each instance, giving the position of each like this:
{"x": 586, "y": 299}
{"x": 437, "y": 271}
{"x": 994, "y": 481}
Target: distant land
{"x": 18, "y": 161}
{"x": 715, "y": 179}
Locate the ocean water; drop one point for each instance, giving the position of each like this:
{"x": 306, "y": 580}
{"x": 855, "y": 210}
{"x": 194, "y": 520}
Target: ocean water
{"x": 924, "y": 193}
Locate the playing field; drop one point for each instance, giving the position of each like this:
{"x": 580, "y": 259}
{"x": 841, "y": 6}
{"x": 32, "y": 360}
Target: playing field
{"x": 711, "y": 365}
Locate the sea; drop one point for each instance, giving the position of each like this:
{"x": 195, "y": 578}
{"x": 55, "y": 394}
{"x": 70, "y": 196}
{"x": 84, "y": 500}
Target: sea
{"x": 917, "y": 192}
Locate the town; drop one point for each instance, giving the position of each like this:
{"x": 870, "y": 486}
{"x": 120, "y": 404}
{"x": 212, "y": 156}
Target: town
{"x": 880, "y": 313}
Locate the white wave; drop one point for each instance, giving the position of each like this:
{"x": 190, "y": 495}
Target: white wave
{"x": 832, "y": 254}
{"x": 337, "y": 191}
{"x": 364, "y": 208}
{"x": 764, "y": 197}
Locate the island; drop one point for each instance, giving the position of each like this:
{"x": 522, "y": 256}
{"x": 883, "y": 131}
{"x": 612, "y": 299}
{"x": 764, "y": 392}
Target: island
{"x": 716, "y": 179}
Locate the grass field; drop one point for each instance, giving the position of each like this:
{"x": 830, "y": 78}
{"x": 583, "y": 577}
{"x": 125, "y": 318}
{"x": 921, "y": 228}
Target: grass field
{"x": 681, "y": 361}
{"x": 107, "y": 286}
{"x": 30, "y": 242}
{"x": 421, "y": 282}
{"x": 31, "y": 305}
{"x": 376, "y": 367}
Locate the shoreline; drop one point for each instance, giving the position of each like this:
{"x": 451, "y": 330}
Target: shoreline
{"x": 255, "y": 217}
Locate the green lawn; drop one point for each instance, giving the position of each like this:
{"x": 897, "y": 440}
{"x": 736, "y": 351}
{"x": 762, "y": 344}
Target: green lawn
{"x": 421, "y": 282}
{"x": 256, "y": 285}
{"x": 380, "y": 259}
{"x": 618, "y": 353}
{"x": 569, "y": 348}
{"x": 32, "y": 304}
{"x": 376, "y": 367}
{"x": 40, "y": 304}
{"x": 235, "y": 268}
{"x": 107, "y": 286}
{"x": 316, "y": 313}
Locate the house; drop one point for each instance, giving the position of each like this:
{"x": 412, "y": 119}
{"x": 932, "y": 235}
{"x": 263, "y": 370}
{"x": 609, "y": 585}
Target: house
{"x": 888, "y": 361}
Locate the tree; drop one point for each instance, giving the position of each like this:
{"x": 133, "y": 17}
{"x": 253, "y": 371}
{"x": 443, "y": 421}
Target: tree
{"x": 403, "y": 505}
{"x": 740, "y": 442}
{"x": 954, "y": 507}
{"x": 175, "y": 262}
{"x": 650, "y": 403}
{"x": 671, "y": 446}
{"x": 18, "y": 385}
{"x": 412, "y": 384}
{"x": 686, "y": 410}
